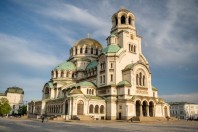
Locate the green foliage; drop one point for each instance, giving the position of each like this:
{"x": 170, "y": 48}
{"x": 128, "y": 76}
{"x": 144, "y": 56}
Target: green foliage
{"x": 4, "y": 106}
{"x": 22, "y": 109}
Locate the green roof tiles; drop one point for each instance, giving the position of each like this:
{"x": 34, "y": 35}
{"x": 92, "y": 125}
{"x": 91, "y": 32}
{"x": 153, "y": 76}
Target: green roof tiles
{"x": 93, "y": 97}
{"x": 66, "y": 66}
{"x": 129, "y": 66}
{"x": 83, "y": 84}
{"x": 123, "y": 83}
{"x": 111, "y": 49}
{"x": 92, "y": 65}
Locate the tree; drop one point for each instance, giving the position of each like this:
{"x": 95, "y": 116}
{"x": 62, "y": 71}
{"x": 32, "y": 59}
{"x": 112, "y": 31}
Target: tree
{"x": 22, "y": 109}
{"x": 4, "y": 106}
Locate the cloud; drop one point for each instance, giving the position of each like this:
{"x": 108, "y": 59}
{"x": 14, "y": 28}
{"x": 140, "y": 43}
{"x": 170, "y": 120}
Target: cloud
{"x": 191, "y": 98}
{"x": 21, "y": 51}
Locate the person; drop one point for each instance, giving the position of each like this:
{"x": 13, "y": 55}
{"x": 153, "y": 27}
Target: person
{"x": 42, "y": 118}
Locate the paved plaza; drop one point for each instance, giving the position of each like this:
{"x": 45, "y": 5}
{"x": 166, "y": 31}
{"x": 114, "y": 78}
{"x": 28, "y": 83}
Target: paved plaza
{"x": 26, "y": 125}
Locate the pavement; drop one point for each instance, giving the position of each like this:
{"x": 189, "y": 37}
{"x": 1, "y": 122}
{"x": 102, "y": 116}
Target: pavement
{"x": 35, "y": 125}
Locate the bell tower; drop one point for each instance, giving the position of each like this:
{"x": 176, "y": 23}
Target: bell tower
{"x": 122, "y": 20}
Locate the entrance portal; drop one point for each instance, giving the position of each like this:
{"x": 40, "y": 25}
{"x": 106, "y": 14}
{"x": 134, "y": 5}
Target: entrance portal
{"x": 120, "y": 116}
{"x": 138, "y": 105}
{"x": 151, "y": 108}
{"x": 144, "y": 108}
{"x": 80, "y": 107}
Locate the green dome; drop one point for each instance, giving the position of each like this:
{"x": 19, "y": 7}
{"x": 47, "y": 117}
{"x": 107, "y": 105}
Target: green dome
{"x": 92, "y": 65}
{"x": 66, "y": 66}
{"x": 123, "y": 83}
{"x": 111, "y": 49}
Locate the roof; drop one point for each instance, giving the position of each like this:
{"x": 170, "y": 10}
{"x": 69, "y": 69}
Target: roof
{"x": 92, "y": 65}
{"x": 154, "y": 88}
{"x": 84, "y": 84}
{"x": 123, "y": 83}
{"x": 111, "y": 49}
{"x": 14, "y": 90}
{"x": 94, "y": 97}
{"x": 89, "y": 42}
{"x": 76, "y": 91}
{"x": 130, "y": 66}
{"x": 67, "y": 65}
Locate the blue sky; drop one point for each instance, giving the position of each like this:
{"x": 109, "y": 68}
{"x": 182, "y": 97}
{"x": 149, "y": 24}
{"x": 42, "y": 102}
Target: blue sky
{"x": 36, "y": 35}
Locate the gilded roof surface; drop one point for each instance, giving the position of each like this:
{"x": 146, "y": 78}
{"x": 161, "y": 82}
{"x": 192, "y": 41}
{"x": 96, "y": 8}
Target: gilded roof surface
{"x": 92, "y": 65}
{"x": 66, "y": 66}
{"x": 123, "y": 83}
{"x": 88, "y": 42}
{"x": 111, "y": 49}
{"x": 15, "y": 90}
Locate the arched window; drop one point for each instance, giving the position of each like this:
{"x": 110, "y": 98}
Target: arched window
{"x": 91, "y": 109}
{"x": 134, "y": 49}
{"x": 96, "y": 51}
{"x": 81, "y": 50}
{"x": 67, "y": 75}
{"x": 140, "y": 79}
{"x": 92, "y": 92}
{"x": 56, "y": 74}
{"x": 129, "y": 47}
{"x": 76, "y": 51}
{"x": 96, "y": 108}
{"x": 87, "y": 91}
{"x": 62, "y": 73}
{"x": 91, "y": 50}
{"x": 143, "y": 80}
{"x": 129, "y": 20}
{"x": 102, "y": 109}
{"x": 137, "y": 79}
{"x": 86, "y": 50}
{"x": 128, "y": 91}
{"x": 123, "y": 20}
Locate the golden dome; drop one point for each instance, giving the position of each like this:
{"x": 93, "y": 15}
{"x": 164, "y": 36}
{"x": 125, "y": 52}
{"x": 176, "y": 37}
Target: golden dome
{"x": 88, "y": 42}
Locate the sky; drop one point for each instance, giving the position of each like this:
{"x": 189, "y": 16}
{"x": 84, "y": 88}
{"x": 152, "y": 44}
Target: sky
{"x": 36, "y": 35}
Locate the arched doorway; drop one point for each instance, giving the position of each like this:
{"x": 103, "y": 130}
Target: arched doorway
{"x": 165, "y": 111}
{"x": 66, "y": 107}
{"x": 151, "y": 109}
{"x": 138, "y": 105}
{"x": 80, "y": 107}
{"x": 144, "y": 108}
{"x": 120, "y": 116}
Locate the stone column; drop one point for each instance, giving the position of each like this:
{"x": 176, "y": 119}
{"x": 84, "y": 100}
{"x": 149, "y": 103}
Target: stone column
{"x": 141, "y": 114}
{"x": 147, "y": 110}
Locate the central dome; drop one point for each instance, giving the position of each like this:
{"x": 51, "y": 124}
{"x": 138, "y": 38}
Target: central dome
{"x": 89, "y": 42}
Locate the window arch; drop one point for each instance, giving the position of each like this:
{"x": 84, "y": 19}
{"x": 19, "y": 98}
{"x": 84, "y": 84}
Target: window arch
{"x": 134, "y": 49}
{"x": 91, "y": 50}
{"x": 76, "y": 51}
{"x": 96, "y": 109}
{"x": 129, "y": 20}
{"x": 89, "y": 91}
{"x": 86, "y": 50}
{"x": 91, "y": 109}
{"x": 92, "y": 92}
{"x": 102, "y": 109}
{"x": 81, "y": 50}
{"x": 123, "y": 20}
{"x": 62, "y": 73}
{"x": 141, "y": 78}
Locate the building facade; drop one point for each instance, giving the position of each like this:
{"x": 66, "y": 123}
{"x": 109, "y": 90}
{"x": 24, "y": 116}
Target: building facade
{"x": 103, "y": 83}
{"x": 15, "y": 98}
{"x": 183, "y": 110}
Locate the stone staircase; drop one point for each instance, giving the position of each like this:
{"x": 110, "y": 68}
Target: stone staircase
{"x": 148, "y": 119}
{"x": 84, "y": 117}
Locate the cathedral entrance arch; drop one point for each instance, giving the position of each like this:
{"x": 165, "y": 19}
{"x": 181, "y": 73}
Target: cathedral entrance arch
{"x": 151, "y": 109}
{"x": 144, "y": 108}
{"x": 138, "y": 105}
{"x": 120, "y": 116}
{"x": 80, "y": 107}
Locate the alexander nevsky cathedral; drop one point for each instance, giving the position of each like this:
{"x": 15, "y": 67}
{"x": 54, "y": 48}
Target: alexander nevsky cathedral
{"x": 103, "y": 83}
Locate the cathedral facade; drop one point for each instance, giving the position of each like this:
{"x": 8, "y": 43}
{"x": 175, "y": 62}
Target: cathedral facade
{"x": 103, "y": 83}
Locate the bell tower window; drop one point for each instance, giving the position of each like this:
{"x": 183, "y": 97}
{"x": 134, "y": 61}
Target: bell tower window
{"x": 130, "y": 20}
{"x": 123, "y": 20}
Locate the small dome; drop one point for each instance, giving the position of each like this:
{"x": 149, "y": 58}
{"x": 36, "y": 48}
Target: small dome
{"x": 111, "y": 49}
{"x": 76, "y": 91}
{"x": 66, "y": 66}
{"x": 15, "y": 90}
{"x": 92, "y": 64}
{"x": 89, "y": 42}
{"x": 123, "y": 83}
